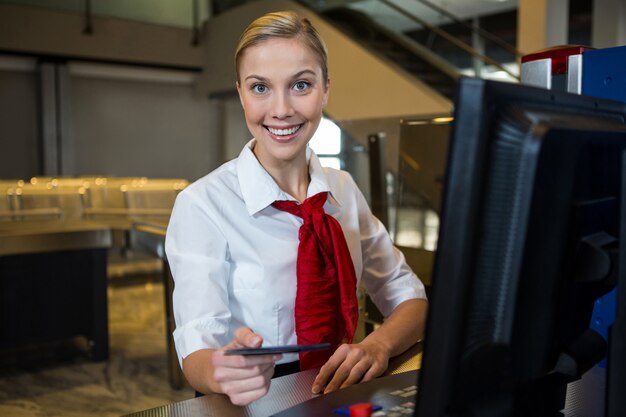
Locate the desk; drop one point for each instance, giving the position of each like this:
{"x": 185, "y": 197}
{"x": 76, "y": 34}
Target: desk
{"x": 38, "y": 236}
{"x": 53, "y": 283}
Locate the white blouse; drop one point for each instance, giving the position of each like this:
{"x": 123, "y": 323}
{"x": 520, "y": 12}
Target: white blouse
{"x": 233, "y": 256}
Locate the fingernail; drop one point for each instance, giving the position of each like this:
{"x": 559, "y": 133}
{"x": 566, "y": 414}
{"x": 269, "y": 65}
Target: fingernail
{"x": 315, "y": 389}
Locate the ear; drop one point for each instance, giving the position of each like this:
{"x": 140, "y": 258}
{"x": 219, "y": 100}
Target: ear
{"x": 326, "y": 93}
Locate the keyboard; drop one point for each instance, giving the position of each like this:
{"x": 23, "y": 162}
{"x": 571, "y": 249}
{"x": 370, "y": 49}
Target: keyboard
{"x": 392, "y": 396}
{"x": 402, "y": 410}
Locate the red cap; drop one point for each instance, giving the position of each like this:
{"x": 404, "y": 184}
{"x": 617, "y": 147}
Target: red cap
{"x": 361, "y": 410}
{"x": 558, "y": 55}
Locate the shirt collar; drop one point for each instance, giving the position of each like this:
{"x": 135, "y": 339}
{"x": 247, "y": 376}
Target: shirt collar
{"x": 258, "y": 188}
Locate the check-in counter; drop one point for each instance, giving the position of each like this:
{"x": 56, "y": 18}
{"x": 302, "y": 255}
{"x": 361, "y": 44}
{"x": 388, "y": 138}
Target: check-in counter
{"x": 53, "y": 283}
{"x": 54, "y": 237}
{"x": 289, "y": 391}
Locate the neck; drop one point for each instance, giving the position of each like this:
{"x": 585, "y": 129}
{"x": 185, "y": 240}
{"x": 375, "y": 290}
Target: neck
{"x": 291, "y": 176}
{"x": 295, "y": 185}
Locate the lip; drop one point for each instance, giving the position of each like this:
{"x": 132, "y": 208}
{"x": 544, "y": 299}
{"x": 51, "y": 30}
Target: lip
{"x": 283, "y": 138}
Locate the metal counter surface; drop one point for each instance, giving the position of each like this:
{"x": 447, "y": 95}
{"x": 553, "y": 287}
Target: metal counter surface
{"x": 149, "y": 235}
{"x": 284, "y": 392}
{"x": 52, "y": 235}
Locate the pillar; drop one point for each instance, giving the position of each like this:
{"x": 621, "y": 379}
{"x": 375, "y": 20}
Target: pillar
{"x": 608, "y": 27}
{"x": 542, "y": 24}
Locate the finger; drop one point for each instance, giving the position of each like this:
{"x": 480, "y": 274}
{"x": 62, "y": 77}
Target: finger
{"x": 328, "y": 369}
{"x": 247, "y": 338}
{"x": 247, "y": 397}
{"x": 353, "y": 367}
{"x": 375, "y": 370}
{"x": 341, "y": 374}
{"x": 356, "y": 373}
{"x": 226, "y": 374}
{"x": 220, "y": 359}
{"x": 243, "y": 392}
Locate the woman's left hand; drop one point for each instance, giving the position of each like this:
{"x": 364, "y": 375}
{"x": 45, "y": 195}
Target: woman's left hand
{"x": 351, "y": 364}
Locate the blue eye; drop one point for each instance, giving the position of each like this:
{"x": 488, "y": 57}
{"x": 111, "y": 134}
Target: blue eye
{"x": 301, "y": 85}
{"x": 259, "y": 88}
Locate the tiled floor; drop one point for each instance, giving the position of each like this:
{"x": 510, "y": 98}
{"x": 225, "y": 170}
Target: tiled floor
{"x": 133, "y": 379}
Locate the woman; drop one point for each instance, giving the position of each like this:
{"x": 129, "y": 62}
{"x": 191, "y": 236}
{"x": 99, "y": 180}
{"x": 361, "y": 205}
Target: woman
{"x": 242, "y": 248}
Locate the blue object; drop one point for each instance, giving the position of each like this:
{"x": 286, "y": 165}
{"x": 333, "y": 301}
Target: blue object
{"x": 345, "y": 410}
{"x": 603, "y": 316}
{"x": 604, "y": 73}
{"x": 604, "y": 76}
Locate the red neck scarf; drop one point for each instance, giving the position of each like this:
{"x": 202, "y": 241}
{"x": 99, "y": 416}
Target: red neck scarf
{"x": 326, "y": 304}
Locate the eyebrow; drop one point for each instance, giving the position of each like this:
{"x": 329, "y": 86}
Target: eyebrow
{"x": 306, "y": 71}
{"x": 296, "y": 75}
{"x": 257, "y": 77}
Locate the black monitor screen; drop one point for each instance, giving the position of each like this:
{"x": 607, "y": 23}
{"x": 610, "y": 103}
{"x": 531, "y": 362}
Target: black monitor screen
{"x": 529, "y": 239}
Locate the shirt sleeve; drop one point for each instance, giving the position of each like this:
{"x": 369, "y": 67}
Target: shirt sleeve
{"x": 197, "y": 254}
{"x": 387, "y": 277}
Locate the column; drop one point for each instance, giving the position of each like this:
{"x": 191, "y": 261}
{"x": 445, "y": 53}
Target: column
{"x": 542, "y": 24}
{"x": 49, "y": 121}
{"x": 608, "y": 27}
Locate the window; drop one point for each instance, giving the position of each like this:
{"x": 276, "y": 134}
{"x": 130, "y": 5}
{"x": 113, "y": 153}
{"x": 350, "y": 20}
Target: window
{"x": 326, "y": 143}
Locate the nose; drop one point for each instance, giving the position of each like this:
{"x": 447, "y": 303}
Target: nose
{"x": 281, "y": 106}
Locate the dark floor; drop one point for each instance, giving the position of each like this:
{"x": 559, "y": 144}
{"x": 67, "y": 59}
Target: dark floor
{"x": 65, "y": 382}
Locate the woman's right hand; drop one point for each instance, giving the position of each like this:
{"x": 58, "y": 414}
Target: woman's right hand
{"x": 243, "y": 378}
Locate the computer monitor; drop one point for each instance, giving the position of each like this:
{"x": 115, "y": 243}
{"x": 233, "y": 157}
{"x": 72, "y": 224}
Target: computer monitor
{"x": 530, "y": 230}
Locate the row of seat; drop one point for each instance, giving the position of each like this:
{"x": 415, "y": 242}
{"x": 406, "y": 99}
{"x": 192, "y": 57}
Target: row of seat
{"x": 103, "y": 198}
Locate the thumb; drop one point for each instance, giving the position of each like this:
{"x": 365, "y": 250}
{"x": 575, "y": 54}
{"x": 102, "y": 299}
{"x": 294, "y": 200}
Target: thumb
{"x": 245, "y": 337}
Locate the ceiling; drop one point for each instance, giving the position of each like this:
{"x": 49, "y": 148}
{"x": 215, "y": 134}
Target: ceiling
{"x": 179, "y": 12}
{"x": 471, "y": 8}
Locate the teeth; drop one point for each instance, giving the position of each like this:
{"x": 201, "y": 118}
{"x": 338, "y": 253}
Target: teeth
{"x": 283, "y": 132}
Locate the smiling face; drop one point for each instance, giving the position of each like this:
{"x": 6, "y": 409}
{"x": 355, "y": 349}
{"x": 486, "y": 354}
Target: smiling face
{"x": 283, "y": 92}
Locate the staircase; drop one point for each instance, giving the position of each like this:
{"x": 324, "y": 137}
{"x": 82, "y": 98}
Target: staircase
{"x": 428, "y": 52}
{"x": 402, "y": 53}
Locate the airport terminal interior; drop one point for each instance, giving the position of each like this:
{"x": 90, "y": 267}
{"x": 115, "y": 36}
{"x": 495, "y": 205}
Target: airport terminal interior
{"x": 109, "y": 109}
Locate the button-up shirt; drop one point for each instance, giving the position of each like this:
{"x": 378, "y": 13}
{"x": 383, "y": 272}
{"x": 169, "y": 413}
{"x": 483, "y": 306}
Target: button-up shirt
{"x": 233, "y": 255}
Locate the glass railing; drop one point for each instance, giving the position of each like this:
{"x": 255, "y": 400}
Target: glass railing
{"x": 449, "y": 44}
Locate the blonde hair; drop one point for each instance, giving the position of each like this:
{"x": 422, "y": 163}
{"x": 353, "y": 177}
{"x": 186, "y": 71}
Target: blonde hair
{"x": 287, "y": 25}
